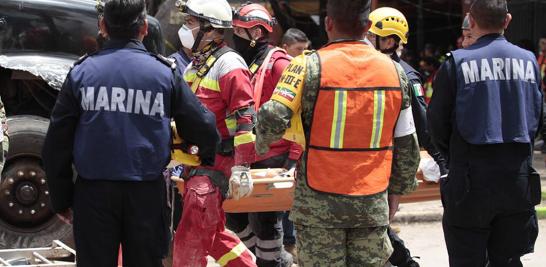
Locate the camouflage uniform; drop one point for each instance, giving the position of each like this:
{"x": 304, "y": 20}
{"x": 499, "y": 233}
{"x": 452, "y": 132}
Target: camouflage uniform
{"x": 5, "y": 138}
{"x": 337, "y": 230}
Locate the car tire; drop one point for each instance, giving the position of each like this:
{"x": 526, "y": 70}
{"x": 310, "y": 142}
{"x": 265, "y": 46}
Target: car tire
{"x": 27, "y": 134}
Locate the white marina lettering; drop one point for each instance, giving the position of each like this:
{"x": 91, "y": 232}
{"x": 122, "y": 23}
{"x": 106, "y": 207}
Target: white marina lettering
{"x": 518, "y": 69}
{"x": 122, "y": 100}
{"x": 102, "y": 99}
{"x": 157, "y": 107}
{"x": 142, "y": 103}
{"x": 498, "y": 69}
{"x": 88, "y": 98}
{"x": 471, "y": 73}
{"x": 530, "y": 72}
{"x": 498, "y": 65}
{"x": 486, "y": 70}
{"x": 130, "y": 97}
{"x": 118, "y": 97}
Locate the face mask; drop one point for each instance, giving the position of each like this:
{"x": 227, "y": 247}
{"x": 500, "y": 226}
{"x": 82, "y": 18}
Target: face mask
{"x": 242, "y": 46}
{"x": 186, "y": 36}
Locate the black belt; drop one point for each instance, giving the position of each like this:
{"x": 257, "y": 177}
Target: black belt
{"x": 226, "y": 148}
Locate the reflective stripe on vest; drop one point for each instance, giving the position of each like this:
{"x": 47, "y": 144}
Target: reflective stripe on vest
{"x": 358, "y": 103}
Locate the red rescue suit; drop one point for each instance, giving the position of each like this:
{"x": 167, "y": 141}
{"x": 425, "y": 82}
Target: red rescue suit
{"x": 226, "y": 91}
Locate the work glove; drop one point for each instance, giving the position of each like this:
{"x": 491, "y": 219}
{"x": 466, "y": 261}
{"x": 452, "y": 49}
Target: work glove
{"x": 240, "y": 182}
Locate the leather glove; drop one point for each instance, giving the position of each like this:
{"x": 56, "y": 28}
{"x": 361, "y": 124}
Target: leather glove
{"x": 240, "y": 182}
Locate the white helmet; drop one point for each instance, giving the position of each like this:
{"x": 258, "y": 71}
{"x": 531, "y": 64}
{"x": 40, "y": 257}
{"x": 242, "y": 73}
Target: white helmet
{"x": 217, "y": 12}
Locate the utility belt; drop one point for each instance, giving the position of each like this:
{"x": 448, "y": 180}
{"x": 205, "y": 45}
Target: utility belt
{"x": 226, "y": 147}
{"x": 217, "y": 178}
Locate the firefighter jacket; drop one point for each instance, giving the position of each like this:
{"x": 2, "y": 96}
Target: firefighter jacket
{"x": 223, "y": 86}
{"x": 272, "y": 71}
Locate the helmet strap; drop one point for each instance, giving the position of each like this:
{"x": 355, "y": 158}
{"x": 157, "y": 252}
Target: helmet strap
{"x": 202, "y": 30}
{"x": 252, "y": 41}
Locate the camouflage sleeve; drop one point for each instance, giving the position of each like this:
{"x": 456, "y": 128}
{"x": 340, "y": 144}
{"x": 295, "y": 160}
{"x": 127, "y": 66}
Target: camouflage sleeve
{"x": 406, "y": 149}
{"x": 275, "y": 115}
{"x": 404, "y": 165}
{"x": 273, "y": 120}
{"x": 5, "y": 137}
{"x": 405, "y": 86}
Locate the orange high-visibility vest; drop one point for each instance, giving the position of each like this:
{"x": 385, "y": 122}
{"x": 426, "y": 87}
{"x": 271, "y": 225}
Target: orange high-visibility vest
{"x": 350, "y": 147}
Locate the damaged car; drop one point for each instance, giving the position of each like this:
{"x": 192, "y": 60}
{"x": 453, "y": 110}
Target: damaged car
{"x": 39, "y": 42}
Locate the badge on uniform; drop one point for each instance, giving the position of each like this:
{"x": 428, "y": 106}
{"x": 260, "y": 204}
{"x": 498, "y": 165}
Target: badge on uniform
{"x": 418, "y": 90}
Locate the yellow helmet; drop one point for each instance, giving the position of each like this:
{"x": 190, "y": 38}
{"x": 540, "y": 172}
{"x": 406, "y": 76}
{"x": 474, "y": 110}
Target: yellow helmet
{"x": 388, "y": 21}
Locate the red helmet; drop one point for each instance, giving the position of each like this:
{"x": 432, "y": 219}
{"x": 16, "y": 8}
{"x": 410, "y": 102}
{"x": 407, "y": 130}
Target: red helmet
{"x": 250, "y": 15}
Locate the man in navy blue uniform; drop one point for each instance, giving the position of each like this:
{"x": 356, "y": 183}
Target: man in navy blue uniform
{"x": 112, "y": 122}
{"x": 484, "y": 115}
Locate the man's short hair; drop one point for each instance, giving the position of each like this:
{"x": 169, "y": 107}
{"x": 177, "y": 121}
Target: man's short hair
{"x": 489, "y": 14}
{"x": 293, "y": 35}
{"x": 123, "y": 18}
{"x": 350, "y": 16}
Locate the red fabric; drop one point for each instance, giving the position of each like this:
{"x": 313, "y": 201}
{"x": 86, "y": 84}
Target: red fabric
{"x": 280, "y": 61}
{"x": 237, "y": 92}
{"x": 201, "y": 230}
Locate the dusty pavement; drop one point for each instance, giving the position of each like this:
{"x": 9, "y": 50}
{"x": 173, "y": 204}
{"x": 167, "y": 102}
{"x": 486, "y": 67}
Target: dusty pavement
{"x": 421, "y": 229}
{"x": 426, "y": 240}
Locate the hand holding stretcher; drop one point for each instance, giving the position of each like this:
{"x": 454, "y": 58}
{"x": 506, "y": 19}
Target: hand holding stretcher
{"x": 273, "y": 191}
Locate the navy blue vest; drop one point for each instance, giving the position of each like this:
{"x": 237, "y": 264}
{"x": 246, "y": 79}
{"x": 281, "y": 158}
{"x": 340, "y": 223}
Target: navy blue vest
{"x": 123, "y": 132}
{"x": 498, "y": 96}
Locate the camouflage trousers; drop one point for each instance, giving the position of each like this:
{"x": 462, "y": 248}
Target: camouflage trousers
{"x": 362, "y": 247}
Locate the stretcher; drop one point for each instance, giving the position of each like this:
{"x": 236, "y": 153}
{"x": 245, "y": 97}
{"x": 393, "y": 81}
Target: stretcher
{"x": 274, "y": 191}
{"x": 58, "y": 255}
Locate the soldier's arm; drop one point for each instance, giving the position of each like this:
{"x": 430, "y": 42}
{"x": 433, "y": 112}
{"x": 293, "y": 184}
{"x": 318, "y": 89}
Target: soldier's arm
{"x": 440, "y": 109}
{"x": 273, "y": 120}
{"x": 275, "y": 115}
{"x": 406, "y": 148}
{"x": 195, "y": 124}
{"x": 58, "y": 146}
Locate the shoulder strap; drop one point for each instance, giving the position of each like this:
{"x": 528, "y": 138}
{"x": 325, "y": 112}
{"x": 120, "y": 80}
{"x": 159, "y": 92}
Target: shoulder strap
{"x": 261, "y": 76}
{"x": 82, "y": 59}
{"x": 211, "y": 60}
{"x": 169, "y": 62}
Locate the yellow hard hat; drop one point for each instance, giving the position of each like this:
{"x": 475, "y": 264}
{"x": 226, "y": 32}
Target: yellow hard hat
{"x": 388, "y": 21}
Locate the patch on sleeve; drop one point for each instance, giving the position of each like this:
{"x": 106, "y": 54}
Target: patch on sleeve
{"x": 291, "y": 83}
{"x": 418, "y": 90}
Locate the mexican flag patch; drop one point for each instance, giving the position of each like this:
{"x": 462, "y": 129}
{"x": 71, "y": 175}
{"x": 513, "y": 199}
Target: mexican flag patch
{"x": 418, "y": 90}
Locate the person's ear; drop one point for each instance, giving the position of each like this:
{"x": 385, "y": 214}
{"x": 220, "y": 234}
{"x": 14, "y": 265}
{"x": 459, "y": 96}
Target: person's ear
{"x": 471, "y": 22}
{"x": 284, "y": 46}
{"x": 257, "y": 33}
{"x": 103, "y": 31}
{"x": 368, "y": 26}
{"x": 507, "y": 20}
{"x": 144, "y": 28}
{"x": 329, "y": 23}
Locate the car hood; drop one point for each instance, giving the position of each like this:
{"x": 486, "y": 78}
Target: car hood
{"x": 52, "y": 67}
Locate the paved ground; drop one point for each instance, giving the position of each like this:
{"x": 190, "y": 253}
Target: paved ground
{"x": 427, "y": 241}
{"x": 422, "y": 231}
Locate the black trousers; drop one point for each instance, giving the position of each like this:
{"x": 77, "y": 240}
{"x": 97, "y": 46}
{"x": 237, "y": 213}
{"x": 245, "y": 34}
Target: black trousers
{"x": 401, "y": 255}
{"x": 261, "y": 232}
{"x": 108, "y": 214}
{"x": 500, "y": 245}
{"x": 487, "y": 222}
